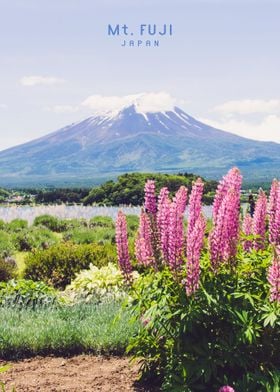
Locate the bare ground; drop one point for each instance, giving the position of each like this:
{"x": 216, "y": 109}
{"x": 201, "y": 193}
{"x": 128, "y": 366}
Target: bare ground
{"x": 81, "y": 373}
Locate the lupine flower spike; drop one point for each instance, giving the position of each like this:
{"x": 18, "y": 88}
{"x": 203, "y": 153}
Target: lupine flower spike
{"x": 143, "y": 243}
{"x": 194, "y": 246}
{"x": 122, "y": 246}
{"x": 176, "y": 229}
{"x": 247, "y": 230}
{"x": 258, "y": 225}
{"x": 274, "y": 277}
{"x": 226, "y": 388}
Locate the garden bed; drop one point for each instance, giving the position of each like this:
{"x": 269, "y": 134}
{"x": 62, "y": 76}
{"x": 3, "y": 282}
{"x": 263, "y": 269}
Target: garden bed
{"x": 80, "y": 373}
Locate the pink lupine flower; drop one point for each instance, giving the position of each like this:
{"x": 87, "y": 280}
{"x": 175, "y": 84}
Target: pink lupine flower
{"x": 195, "y": 204}
{"x": 150, "y": 197}
{"x": 258, "y": 225}
{"x": 274, "y": 212}
{"x": 232, "y": 180}
{"x": 226, "y": 388}
{"x": 163, "y": 221}
{"x": 224, "y": 236}
{"x": 247, "y": 230}
{"x": 143, "y": 243}
{"x": 194, "y": 246}
{"x": 122, "y": 246}
{"x": 274, "y": 277}
{"x": 176, "y": 229}
{"x": 181, "y": 199}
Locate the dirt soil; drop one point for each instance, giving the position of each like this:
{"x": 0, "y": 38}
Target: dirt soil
{"x": 81, "y": 373}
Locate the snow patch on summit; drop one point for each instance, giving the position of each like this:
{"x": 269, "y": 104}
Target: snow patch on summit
{"x": 143, "y": 103}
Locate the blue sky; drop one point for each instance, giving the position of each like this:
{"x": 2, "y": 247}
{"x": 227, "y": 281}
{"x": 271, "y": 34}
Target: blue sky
{"x": 221, "y": 65}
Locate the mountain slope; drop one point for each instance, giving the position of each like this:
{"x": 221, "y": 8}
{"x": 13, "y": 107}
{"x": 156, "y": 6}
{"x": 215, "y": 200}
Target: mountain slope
{"x": 106, "y": 145}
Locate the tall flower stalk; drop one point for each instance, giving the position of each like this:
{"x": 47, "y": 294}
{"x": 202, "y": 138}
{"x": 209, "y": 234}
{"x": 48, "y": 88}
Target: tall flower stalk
{"x": 232, "y": 180}
{"x": 122, "y": 246}
{"x": 195, "y": 204}
{"x": 150, "y": 197}
{"x": 176, "y": 229}
{"x": 274, "y": 213}
{"x": 163, "y": 221}
{"x": 274, "y": 277}
{"x": 226, "y": 210}
{"x": 247, "y": 230}
{"x": 259, "y": 221}
{"x": 194, "y": 246}
{"x": 143, "y": 243}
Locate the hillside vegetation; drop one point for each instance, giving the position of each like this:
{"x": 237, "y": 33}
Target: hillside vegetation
{"x": 129, "y": 188}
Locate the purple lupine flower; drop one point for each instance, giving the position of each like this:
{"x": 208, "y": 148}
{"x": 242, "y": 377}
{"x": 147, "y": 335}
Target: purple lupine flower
{"x": 176, "y": 229}
{"x": 224, "y": 236}
{"x": 195, "y": 204}
{"x": 163, "y": 221}
{"x": 258, "y": 225}
{"x": 274, "y": 277}
{"x": 232, "y": 180}
{"x": 143, "y": 243}
{"x": 274, "y": 212}
{"x": 122, "y": 246}
{"x": 226, "y": 388}
{"x": 247, "y": 230}
{"x": 150, "y": 197}
{"x": 194, "y": 246}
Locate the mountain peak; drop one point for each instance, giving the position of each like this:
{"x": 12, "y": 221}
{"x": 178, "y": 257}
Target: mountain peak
{"x": 143, "y": 103}
{"x": 140, "y": 133}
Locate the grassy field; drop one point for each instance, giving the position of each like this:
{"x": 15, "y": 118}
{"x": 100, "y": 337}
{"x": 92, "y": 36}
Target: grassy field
{"x": 64, "y": 331}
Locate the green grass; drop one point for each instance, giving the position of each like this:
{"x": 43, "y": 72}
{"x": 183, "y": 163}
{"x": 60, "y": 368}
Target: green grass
{"x": 83, "y": 328}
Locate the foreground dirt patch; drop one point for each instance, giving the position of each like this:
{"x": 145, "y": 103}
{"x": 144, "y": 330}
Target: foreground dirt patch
{"x": 82, "y": 373}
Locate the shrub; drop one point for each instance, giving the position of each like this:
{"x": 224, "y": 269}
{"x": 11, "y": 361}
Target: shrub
{"x": 51, "y": 222}
{"x": 34, "y": 238}
{"x": 210, "y": 310}
{"x": 17, "y": 225}
{"x": 97, "y": 284}
{"x": 102, "y": 221}
{"x": 7, "y": 269}
{"x": 227, "y": 333}
{"x": 59, "y": 264}
{"x": 26, "y": 293}
{"x": 2, "y": 224}
{"x": 7, "y": 247}
{"x": 88, "y": 236}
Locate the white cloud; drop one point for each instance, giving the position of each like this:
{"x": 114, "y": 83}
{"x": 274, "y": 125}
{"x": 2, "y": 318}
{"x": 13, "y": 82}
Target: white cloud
{"x": 248, "y": 106}
{"x": 145, "y": 102}
{"x": 62, "y": 109}
{"x": 36, "y": 80}
{"x": 3, "y": 106}
{"x": 268, "y": 129}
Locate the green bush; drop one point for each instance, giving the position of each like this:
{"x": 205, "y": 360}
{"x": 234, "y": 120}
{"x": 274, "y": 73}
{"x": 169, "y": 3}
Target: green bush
{"x": 227, "y": 333}
{"x": 17, "y": 225}
{"x": 97, "y": 285}
{"x": 2, "y": 224}
{"x": 59, "y": 264}
{"x": 51, "y": 222}
{"x": 26, "y": 293}
{"x": 7, "y": 247}
{"x": 34, "y": 238}
{"x": 102, "y": 221}
{"x": 7, "y": 269}
{"x": 87, "y": 236}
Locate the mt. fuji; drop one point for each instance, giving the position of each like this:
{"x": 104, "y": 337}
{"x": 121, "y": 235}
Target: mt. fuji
{"x": 128, "y": 140}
